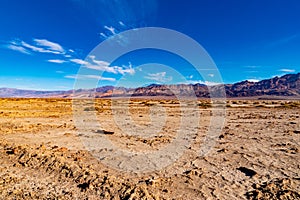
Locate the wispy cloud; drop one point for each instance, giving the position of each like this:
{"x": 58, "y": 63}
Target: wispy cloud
{"x": 252, "y": 66}
{"x": 283, "y": 40}
{"x": 120, "y": 12}
{"x": 93, "y": 63}
{"x": 58, "y": 61}
{"x": 67, "y": 56}
{"x": 121, "y": 23}
{"x": 78, "y": 76}
{"x": 39, "y": 48}
{"x": 159, "y": 77}
{"x": 38, "y": 45}
{"x": 34, "y": 48}
{"x": 103, "y": 35}
{"x": 49, "y": 45}
{"x": 18, "y": 48}
{"x": 79, "y": 61}
{"x": 287, "y": 70}
{"x": 111, "y": 29}
{"x": 211, "y": 75}
{"x": 251, "y": 71}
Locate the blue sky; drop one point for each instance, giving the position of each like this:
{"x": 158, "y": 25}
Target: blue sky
{"x": 44, "y": 43}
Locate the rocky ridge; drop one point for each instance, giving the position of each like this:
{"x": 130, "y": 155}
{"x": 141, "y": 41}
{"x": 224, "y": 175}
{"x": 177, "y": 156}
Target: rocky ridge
{"x": 287, "y": 85}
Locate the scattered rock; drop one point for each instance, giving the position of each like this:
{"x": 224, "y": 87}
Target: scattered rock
{"x": 104, "y": 132}
{"x": 221, "y": 150}
{"x": 275, "y": 190}
{"x": 62, "y": 149}
{"x": 67, "y": 134}
{"x": 247, "y": 171}
{"x": 221, "y": 136}
{"x": 297, "y": 131}
{"x": 83, "y": 186}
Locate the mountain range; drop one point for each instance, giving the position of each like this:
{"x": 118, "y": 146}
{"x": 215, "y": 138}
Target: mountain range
{"x": 287, "y": 85}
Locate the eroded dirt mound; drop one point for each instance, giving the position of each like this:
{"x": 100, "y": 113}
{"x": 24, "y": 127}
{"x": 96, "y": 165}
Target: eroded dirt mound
{"x": 276, "y": 189}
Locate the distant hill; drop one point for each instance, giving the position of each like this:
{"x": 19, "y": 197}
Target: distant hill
{"x": 11, "y": 92}
{"x": 287, "y": 85}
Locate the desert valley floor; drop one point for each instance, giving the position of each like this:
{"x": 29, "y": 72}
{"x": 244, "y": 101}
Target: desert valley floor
{"x": 43, "y": 154}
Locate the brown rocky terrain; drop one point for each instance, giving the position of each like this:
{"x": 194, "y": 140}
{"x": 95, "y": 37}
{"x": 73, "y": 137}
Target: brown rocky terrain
{"x": 287, "y": 85}
{"x": 44, "y": 154}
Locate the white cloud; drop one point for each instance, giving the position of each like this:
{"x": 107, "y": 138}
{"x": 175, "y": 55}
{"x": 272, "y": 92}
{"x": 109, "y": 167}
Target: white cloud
{"x": 253, "y": 80}
{"x": 111, "y": 29}
{"x": 252, "y": 66}
{"x": 41, "y": 46}
{"x": 160, "y": 77}
{"x": 18, "y": 48}
{"x": 126, "y": 69}
{"x": 287, "y": 70}
{"x": 99, "y": 63}
{"x": 139, "y": 69}
{"x": 33, "y": 48}
{"x": 56, "y": 61}
{"x": 49, "y": 45}
{"x": 123, "y": 71}
{"x": 208, "y": 83}
{"x": 103, "y": 35}
{"x": 251, "y": 71}
{"x": 105, "y": 66}
{"x": 211, "y": 75}
{"x": 38, "y": 48}
{"x": 90, "y": 77}
{"x": 69, "y": 54}
{"x": 121, "y": 23}
{"x": 79, "y": 61}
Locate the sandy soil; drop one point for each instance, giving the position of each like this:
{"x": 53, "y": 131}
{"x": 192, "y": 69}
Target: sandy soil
{"x": 45, "y": 152}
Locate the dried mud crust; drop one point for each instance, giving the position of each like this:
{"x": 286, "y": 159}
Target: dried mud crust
{"x": 255, "y": 156}
{"x": 29, "y": 172}
{"x": 276, "y": 189}
{"x": 40, "y": 172}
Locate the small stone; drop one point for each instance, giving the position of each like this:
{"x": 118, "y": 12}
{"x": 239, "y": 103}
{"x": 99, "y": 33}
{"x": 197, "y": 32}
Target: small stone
{"x": 297, "y": 131}
{"x": 62, "y": 149}
{"x": 67, "y": 134}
